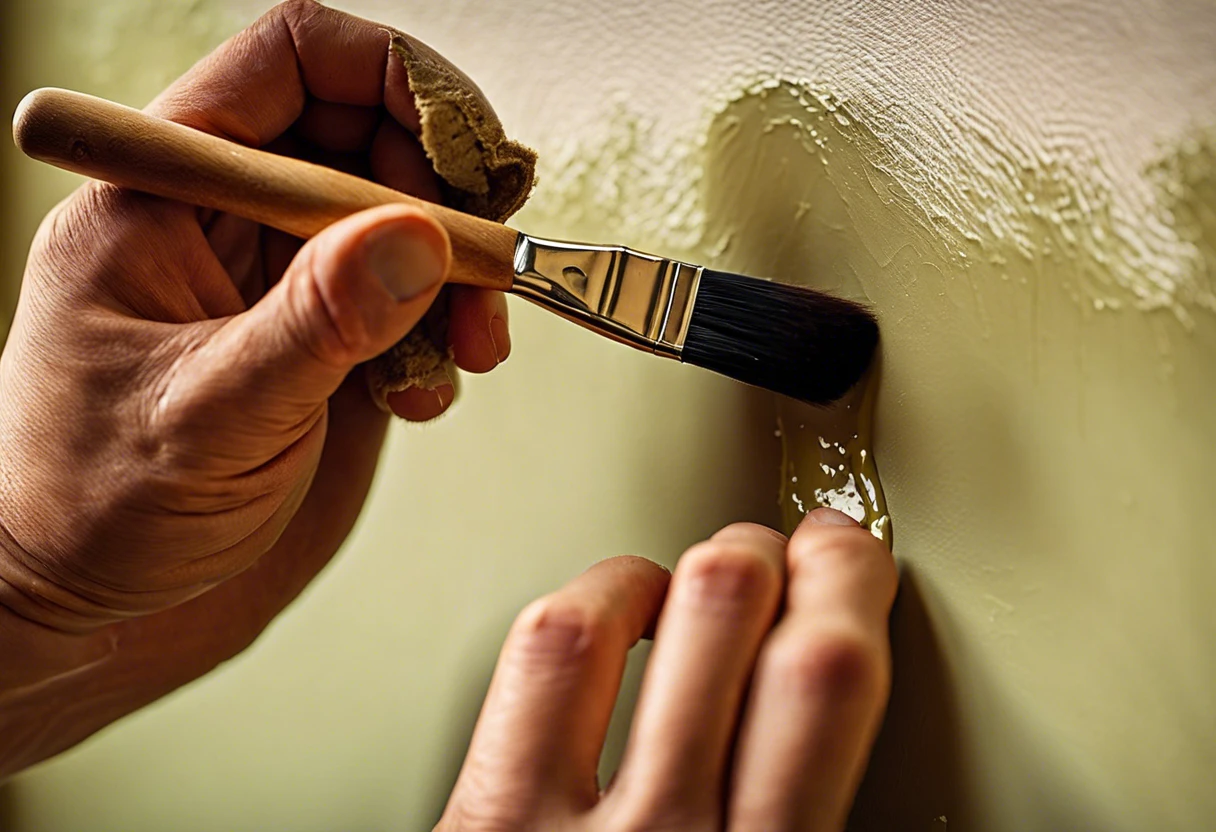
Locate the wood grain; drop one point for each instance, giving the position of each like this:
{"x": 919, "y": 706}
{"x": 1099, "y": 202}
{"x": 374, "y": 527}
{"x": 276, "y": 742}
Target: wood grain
{"x": 128, "y": 148}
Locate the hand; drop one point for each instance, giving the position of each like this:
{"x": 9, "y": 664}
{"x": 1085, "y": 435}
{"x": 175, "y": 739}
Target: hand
{"x": 761, "y": 699}
{"x": 183, "y": 449}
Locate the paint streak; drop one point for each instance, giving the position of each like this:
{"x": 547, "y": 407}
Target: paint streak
{"x": 782, "y": 160}
{"x": 793, "y": 181}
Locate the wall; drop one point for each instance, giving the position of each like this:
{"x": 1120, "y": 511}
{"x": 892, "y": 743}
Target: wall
{"x": 1023, "y": 191}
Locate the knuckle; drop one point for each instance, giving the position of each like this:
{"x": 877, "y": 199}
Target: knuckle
{"x": 479, "y": 815}
{"x": 68, "y": 234}
{"x": 829, "y": 545}
{"x": 836, "y": 666}
{"x": 297, "y": 9}
{"x": 555, "y": 630}
{"x": 725, "y": 572}
{"x": 748, "y": 531}
{"x": 844, "y": 549}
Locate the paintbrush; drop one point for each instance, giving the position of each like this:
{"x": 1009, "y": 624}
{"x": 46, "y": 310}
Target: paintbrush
{"x": 788, "y": 339}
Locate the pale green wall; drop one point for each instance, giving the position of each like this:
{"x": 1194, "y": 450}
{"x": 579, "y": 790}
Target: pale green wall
{"x": 125, "y": 50}
{"x": 1049, "y": 464}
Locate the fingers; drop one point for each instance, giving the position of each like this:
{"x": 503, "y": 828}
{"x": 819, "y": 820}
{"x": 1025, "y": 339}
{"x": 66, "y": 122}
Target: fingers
{"x": 254, "y": 86}
{"x": 351, "y": 292}
{"x": 421, "y": 404}
{"x": 398, "y": 161}
{"x": 478, "y": 328}
{"x": 338, "y": 128}
{"x": 331, "y": 76}
{"x": 820, "y": 683}
{"x": 724, "y": 596}
{"x": 538, "y": 740}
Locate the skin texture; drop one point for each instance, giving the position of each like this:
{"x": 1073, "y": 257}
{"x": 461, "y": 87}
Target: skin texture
{"x": 764, "y": 691}
{"x": 183, "y": 450}
{"x": 186, "y": 446}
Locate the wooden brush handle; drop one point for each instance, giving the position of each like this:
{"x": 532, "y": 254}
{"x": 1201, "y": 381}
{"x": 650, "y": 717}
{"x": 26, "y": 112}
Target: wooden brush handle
{"x": 129, "y": 148}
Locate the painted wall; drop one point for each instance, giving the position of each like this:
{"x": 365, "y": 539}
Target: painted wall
{"x": 1026, "y": 194}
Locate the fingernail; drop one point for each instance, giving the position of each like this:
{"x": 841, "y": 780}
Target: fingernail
{"x": 825, "y": 516}
{"x": 404, "y": 261}
{"x": 500, "y": 336}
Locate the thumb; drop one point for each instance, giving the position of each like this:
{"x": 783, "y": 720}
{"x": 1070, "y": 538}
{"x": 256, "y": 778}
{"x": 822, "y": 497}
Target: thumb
{"x": 351, "y": 292}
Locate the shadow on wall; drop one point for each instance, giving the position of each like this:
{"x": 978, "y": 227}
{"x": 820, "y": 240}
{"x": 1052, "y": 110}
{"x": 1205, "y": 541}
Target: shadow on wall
{"x": 916, "y": 778}
{"x": 987, "y": 724}
{"x": 927, "y": 769}
{"x": 787, "y": 179}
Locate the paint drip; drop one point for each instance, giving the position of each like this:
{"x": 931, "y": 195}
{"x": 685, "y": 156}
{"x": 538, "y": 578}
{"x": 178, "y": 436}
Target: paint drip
{"x": 776, "y": 197}
{"x": 828, "y": 459}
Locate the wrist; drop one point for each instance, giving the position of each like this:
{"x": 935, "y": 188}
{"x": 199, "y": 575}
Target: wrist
{"x": 57, "y": 687}
{"x": 45, "y": 673}
{"x": 34, "y": 571}
{"x": 60, "y": 681}
{"x": 46, "y": 679}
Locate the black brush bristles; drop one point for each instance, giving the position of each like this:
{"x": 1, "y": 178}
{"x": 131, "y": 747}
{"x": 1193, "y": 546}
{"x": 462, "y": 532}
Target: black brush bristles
{"x": 788, "y": 339}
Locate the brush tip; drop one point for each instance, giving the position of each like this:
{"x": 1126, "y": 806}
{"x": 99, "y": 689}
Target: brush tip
{"x": 788, "y": 339}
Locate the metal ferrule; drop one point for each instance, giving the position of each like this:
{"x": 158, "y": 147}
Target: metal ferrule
{"x": 638, "y": 299}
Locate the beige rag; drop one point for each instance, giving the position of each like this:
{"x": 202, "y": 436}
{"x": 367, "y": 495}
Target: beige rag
{"x": 482, "y": 172}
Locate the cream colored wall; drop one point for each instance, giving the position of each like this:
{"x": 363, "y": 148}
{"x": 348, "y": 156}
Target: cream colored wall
{"x": 1023, "y": 191}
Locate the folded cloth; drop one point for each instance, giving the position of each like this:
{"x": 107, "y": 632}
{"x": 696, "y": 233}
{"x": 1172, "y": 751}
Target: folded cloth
{"x": 482, "y": 172}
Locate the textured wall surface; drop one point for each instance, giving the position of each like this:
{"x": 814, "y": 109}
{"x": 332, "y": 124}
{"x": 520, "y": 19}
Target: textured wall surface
{"x": 1024, "y": 192}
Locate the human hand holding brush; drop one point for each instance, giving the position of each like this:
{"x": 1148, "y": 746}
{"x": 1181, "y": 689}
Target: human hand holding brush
{"x": 789, "y": 339}
{"x": 183, "y": 445}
